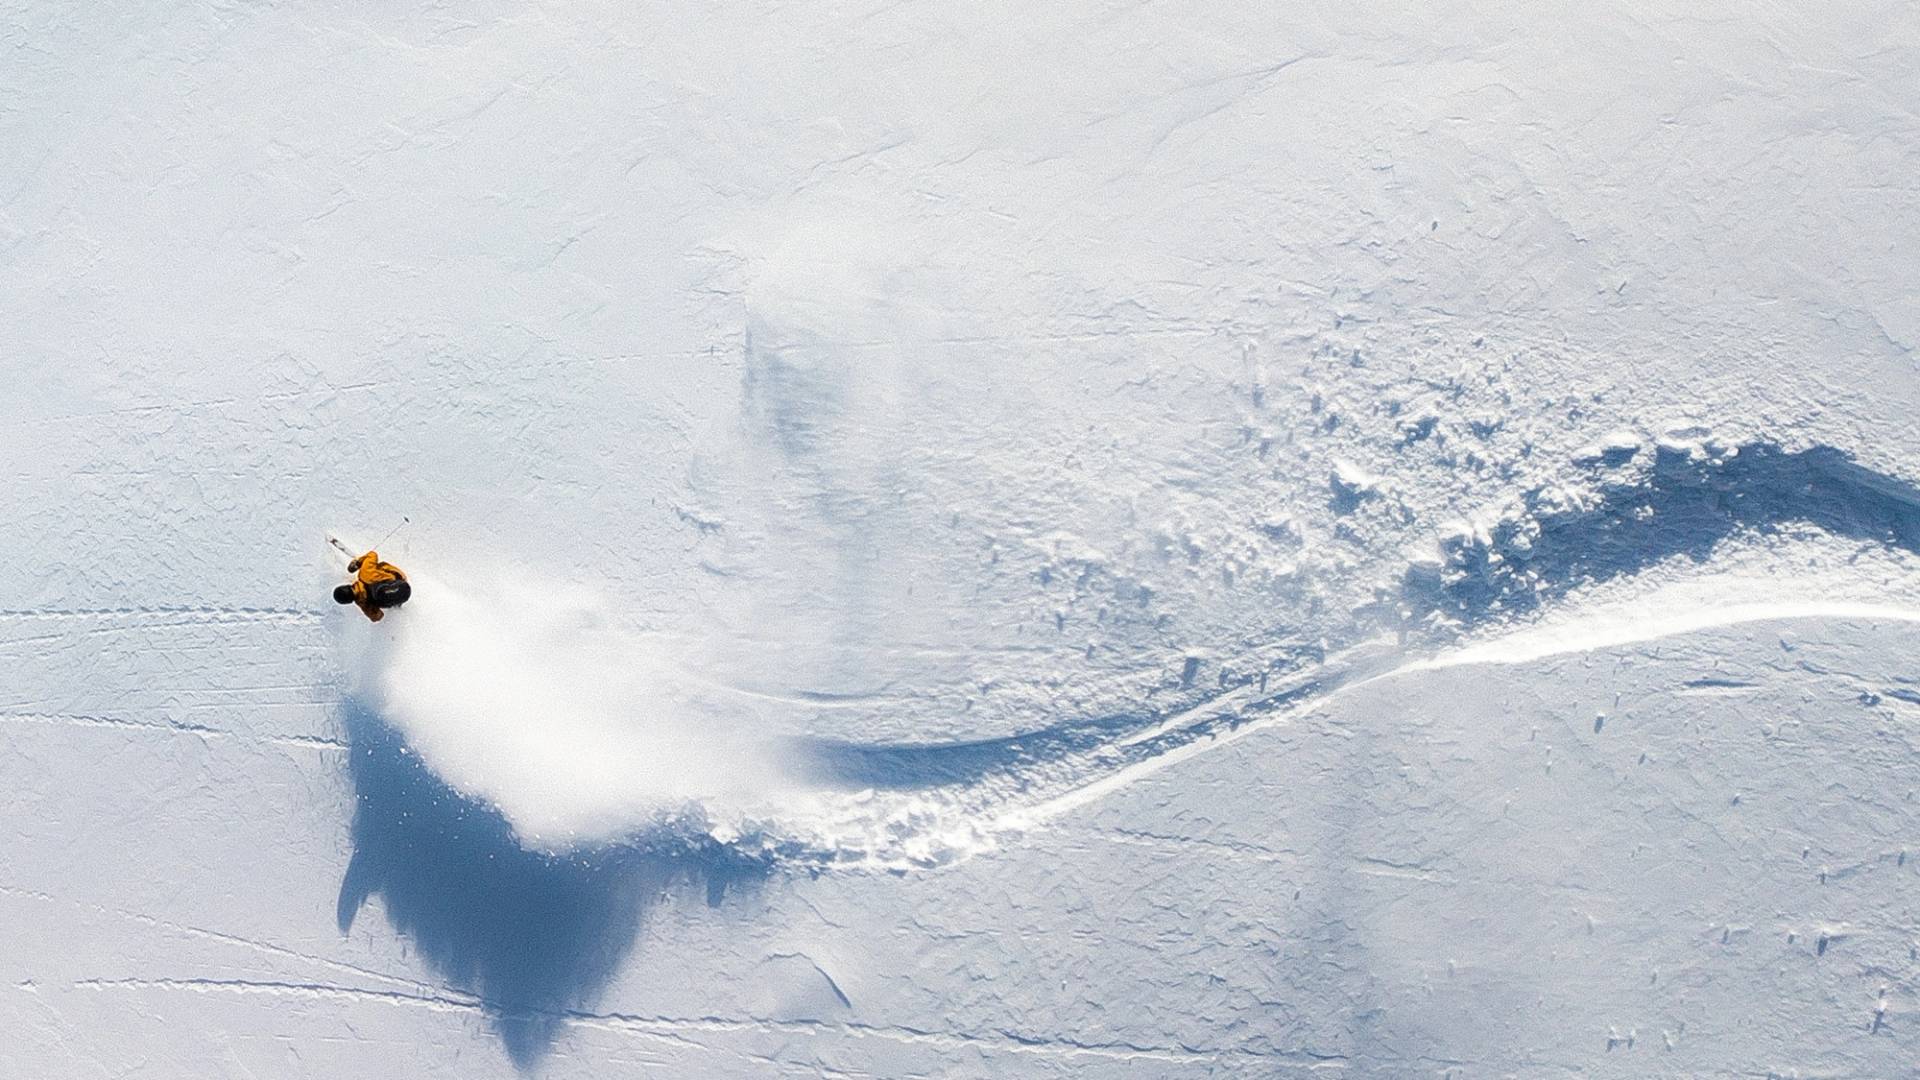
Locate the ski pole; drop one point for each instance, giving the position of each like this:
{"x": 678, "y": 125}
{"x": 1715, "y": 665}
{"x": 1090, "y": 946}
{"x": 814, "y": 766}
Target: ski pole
{"x": 383, "y": 540}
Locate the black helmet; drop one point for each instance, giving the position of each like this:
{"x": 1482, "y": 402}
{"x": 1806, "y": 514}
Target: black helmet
{"x": 343, "y": 594}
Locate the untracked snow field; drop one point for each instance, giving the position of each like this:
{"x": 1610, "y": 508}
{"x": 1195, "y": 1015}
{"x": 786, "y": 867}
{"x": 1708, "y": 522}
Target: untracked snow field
{"x": 961, "y": 540}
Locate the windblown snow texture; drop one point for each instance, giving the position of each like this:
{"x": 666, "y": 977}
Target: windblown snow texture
{"x": 989, "y": 540}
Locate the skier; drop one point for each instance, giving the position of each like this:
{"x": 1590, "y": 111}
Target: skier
{"x": 375, "y": 585}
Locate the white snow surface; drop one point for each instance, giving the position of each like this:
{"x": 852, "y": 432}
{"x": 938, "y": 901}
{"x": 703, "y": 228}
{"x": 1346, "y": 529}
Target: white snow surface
{"x": 1080, "y": 539}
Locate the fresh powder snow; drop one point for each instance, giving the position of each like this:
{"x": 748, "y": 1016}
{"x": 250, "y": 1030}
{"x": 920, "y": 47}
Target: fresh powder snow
{"x": 981, "y": 540}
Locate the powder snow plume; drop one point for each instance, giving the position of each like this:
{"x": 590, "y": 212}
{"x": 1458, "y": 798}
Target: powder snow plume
{"x": 539, "y": 703}
{"x": 583, "y": 733}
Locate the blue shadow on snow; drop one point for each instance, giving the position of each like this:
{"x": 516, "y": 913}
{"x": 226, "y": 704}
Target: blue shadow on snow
{"x": 1681, "y": 505}
{"x": 535, "y": 937}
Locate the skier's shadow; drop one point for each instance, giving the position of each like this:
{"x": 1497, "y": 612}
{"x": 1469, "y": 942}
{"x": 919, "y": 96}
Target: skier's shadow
{"x": 535, "y": 937}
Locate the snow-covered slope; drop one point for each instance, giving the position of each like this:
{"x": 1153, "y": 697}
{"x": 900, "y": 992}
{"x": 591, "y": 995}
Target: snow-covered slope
{"x": 1684, "y": 855}
{"x": 958, "y": 540}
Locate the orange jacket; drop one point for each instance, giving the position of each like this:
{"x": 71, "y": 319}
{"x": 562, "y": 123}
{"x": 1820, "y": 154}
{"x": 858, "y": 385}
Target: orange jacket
{"x": 369, "y": 570}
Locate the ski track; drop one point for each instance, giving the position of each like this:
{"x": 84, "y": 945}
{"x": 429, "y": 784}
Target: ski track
{"x": 1604, "y": 632}
{"x": 929, "y": 826}
{"x": 1024, "y": 792}
{"x": 201, "y": 614}
{"x": 898, "y": 806}
{"x": 171, "y": 727}
{"x": 1513, "y": 579}
{"x": 263, "y": 947}
{"x": 1347, "y": 673}
{"x": 673, "y": 1028}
